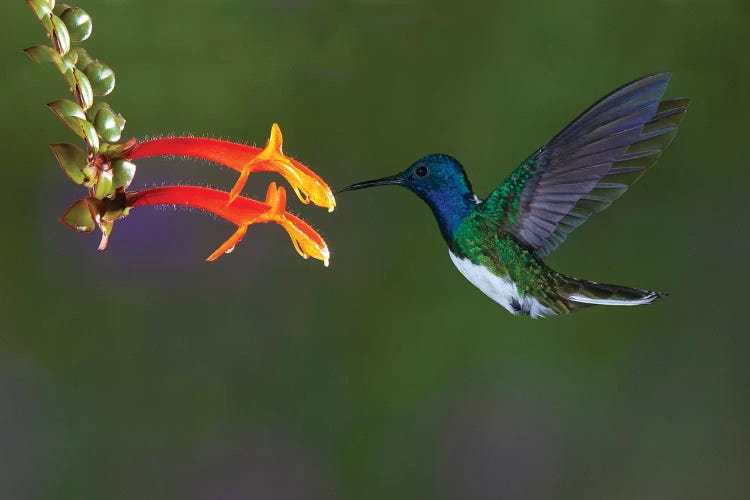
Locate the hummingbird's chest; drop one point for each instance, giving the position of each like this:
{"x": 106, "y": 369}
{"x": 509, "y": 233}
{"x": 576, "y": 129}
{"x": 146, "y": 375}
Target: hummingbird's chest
{"x": 502, "y": 289}
{"x": 503, "y": 270}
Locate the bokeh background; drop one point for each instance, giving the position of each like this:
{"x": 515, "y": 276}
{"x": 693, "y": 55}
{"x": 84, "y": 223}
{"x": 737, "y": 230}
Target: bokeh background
{"x": 145, "y": 372}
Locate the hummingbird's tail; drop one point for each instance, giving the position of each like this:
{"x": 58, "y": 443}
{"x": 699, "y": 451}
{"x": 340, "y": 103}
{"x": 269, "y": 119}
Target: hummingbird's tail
{"x": 583, "y": 293}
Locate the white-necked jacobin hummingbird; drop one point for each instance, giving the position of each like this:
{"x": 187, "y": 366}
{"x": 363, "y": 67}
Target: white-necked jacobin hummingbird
{"x": 498, "y": 243}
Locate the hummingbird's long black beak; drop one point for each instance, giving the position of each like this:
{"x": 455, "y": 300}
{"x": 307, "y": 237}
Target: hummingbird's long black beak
{"x": 385, "y": 181}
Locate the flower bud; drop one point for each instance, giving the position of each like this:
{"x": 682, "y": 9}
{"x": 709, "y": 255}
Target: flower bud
{"x": 60, "y": 35}
{"x": 78, "y": 23}
{"x": 60, "y": 8}
{"x": 123, "y": 172}
{"x": 83, "y": 88}
{"x": 98, "y": 106}
{"x": 120, "y": 120}
{"x": 69, "y": 61}
{"x": 83, "y": 58}
{"x": 103, "y": 184}
{"x": 66, "y": 110}
{"x": 72, "y": 159}
{"x": 88, "y": 132}
{"x": 106, "y": 125}
{"x": 79, "y": 217}
{"x": 69, "y": 77}
{"x": 45, "y": 54}
{"x": 41, "y": 8}
{"x": 101, "y": 76}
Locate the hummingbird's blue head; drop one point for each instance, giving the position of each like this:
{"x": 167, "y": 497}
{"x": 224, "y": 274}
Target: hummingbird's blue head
{"x": 441, "y": 182}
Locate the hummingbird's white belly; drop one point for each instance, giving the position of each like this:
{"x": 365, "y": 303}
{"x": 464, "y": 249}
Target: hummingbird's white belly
{"x": 502, "y": 290}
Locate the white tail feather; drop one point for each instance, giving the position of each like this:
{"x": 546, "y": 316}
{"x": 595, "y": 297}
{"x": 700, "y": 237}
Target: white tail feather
{"x": 615, "y": 302}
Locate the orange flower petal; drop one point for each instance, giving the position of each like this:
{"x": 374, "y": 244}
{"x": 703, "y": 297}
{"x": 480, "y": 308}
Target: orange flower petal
{"x": 276, "y": 199}
{"x": 228, "y": 245}
{"x": 239, "y": 185}
{"x": 305, "y": 183}
{"x": 306, "y": 241}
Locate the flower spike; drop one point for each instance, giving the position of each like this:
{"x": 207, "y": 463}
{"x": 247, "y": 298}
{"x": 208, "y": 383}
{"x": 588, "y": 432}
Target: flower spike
{"x": 103, "y": 166}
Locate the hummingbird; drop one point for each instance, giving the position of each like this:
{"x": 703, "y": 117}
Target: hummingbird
{"x": 499, "y": 243}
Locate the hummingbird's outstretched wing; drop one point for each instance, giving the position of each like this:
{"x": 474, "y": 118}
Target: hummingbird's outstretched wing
{"x": 588, "y": 165}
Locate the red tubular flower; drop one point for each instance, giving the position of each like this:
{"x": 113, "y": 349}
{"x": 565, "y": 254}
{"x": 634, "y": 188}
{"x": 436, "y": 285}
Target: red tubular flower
{"x": 308, "y": 186}
{"x": 242, "y": 212}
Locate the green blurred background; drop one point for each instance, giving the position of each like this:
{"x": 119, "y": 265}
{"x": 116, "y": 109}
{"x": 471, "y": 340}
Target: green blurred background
{"x": 145, "y": 372}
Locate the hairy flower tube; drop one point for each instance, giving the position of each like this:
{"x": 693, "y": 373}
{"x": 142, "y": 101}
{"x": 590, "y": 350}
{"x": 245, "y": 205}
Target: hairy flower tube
{"x": 308, "y": 186}
{"x": 89, "y": 212}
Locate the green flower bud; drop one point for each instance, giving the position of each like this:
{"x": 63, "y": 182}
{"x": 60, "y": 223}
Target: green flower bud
{"x": 101, "y": 76}
{"x": 41, "y": 8}
{"x": 98, "y": 106}
{"x": 60, "y": 8}
{"x": 88, "y": 133}
{"x": 79, "y": 217}
{"x": 118, "y": 150}
{"x": 120, "y": 120}
{"x": 72, "y": 159}
{"x": 123, "y": 172}
{"x": 70, "y": 78}
{"x": 106, "y": 125}
{"x": 47, "y": 24}
{"x": 60, "y": 35}
{"x": 69, "y": 61}
{"x": 45, "y": 54}
{"x": 83, "y": 58}
{"x": 78, "y": 22}
{"x": 103, "y": 184}
{"x": 67, "y": 110}
{"x": 83, "y": 88}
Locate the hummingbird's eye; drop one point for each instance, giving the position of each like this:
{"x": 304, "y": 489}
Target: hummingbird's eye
{"x": 421, "y": 171}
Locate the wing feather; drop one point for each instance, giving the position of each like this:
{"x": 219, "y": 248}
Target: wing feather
{"x": 588, "y": 165}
